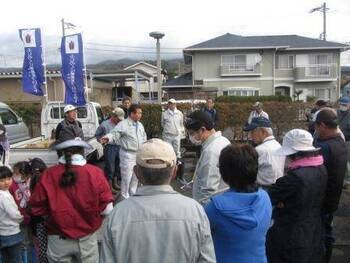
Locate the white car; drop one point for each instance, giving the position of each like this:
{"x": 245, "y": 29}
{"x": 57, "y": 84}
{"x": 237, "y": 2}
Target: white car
{"x": 16, "y": 129}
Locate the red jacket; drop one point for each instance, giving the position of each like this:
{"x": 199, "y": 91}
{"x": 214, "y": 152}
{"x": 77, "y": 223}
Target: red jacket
{"x": 74, "y": 211}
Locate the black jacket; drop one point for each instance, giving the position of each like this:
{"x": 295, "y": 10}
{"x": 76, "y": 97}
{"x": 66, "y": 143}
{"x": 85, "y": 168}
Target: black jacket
{"x": 334, "y": 153}
{"x": 296, "y": 235}
{"x": 67, "y": 130}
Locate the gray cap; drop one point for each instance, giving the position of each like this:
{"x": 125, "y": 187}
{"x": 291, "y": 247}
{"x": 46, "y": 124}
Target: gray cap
{"x": 156, "y": 149}
{"x": 119, "y": 112}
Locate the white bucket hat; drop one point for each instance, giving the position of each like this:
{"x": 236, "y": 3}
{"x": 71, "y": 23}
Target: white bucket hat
{"x": 297, "y": 140}
{"x": 78, "y": 142}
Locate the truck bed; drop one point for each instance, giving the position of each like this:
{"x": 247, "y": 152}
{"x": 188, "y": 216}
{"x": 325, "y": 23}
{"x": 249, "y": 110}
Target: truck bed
{"x": 38, "y": 148}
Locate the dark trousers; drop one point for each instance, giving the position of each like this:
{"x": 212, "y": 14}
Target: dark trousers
{"x": 328, "y": 236}
{"x": 11, "y": 254}
{"x": 111, "y": 154}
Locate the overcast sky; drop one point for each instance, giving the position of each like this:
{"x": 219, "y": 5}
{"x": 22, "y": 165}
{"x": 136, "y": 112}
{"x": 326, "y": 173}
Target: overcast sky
{"x": 184, "y": 22}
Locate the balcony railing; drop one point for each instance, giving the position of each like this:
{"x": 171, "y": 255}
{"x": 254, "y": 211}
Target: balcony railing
{"x": 321, "y": 72}
{"x": 239, "y": 69}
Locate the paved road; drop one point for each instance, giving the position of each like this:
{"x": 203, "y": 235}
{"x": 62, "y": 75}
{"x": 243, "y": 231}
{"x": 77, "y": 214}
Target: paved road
{"x": 342, "y": 230}
{"x": 341, "y": 253}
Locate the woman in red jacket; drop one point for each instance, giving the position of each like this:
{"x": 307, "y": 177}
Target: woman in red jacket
{"x": 73, "y": 196}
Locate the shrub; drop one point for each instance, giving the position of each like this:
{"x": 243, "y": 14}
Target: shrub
{"x": 253, "y": 99}
{"x": 107, "y": 111}
{"x": 151, "y": 117}
{"x": 310, "y": 98}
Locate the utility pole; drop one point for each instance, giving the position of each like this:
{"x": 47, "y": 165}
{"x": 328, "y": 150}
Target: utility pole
{"x": 158, "y": 36}
{"x": 63, "y": 27}
{"x": 323, "y": 8}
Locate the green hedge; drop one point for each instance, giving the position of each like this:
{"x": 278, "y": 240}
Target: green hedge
{"x": 252, "y": 99}
{"x": 151, "y": 117}
{"x": 283, "y": 115}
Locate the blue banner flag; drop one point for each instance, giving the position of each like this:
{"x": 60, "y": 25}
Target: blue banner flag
{"x": 73, "y": 69}
{"x": 33, "y": 76}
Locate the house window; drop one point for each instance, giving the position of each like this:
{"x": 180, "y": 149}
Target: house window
{"x": 145, "y": 95}
{"x": 324, "y": 94}
{"x": 318, "y": 59}
{"x": 284, "y": 61}
{"x": 236, "y": 63}
{"x": 241, "y": 92}
{"x": 319, "y": 65}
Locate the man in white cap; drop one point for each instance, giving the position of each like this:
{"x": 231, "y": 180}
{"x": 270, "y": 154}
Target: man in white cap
{"x": 157, "y": 224}
{"x": 130, "y": 135}
{"x": 111, "y": 149}
{"x": 69, "y": 128}
{"x": 173, "y": 126}
{"x": 257, "y": 112}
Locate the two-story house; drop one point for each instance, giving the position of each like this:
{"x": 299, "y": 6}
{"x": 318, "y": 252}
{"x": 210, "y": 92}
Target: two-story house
{"x": 265, "y": 65}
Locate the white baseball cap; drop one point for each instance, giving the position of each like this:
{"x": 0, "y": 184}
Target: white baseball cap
{"x": 172, "y": 101}
{"x": 257, "y": 104}
{"x": 297, "y": 140}
{"x": 156, "y": 149}
{"x": 69, "y": 107}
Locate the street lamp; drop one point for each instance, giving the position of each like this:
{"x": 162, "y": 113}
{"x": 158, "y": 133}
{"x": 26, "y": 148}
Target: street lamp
{"x": 158, "y": 35}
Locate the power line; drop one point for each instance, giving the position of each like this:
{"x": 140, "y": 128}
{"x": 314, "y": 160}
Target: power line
{"x": 136, "y": 47}
{"x": 129, "y": 51}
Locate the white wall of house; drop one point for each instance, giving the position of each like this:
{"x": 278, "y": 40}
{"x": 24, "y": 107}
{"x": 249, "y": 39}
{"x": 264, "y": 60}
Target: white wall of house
{"x": 315, "y": 72}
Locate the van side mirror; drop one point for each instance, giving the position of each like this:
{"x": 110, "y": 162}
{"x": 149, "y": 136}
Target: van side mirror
{"x": 20, "y": 119}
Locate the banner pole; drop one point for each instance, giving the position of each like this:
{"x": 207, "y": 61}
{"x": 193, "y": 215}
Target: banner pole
{"x": 44, "y": 65}
{"x": 85, "y": 71}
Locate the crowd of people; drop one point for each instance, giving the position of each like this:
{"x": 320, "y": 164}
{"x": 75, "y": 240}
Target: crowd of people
{"x": 260, "y": 201}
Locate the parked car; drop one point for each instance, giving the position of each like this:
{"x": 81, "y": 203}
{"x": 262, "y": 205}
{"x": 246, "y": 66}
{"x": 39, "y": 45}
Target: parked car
{"x": 16, "y": 129}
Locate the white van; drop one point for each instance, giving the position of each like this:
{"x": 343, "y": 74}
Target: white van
{"x": 16, "y": 129}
